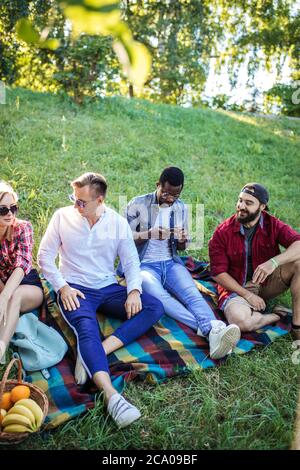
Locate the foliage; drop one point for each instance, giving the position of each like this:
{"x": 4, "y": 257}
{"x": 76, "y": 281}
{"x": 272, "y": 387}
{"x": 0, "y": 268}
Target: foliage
{"x": 287, "y": 98}
{"x": 185, "y": 39}
{"x": 11, "y": 11}
{"x": 258, "y": 31}
{"x": 179, "y": 40}
{"x": 95, "y": 17}
{"x": 81, "y": 66}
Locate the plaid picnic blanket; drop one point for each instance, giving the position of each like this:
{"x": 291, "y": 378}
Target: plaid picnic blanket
{"x": 168, "y": 349}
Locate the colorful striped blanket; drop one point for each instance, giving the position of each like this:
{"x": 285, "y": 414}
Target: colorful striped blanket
{"x": 168, "y": 349}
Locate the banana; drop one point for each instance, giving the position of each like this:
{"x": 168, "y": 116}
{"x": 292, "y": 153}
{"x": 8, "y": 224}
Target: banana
{"x": 34, "y": 408}
{"x": 23, "y": 410}
{"x": 15, "y": 418}
{"x": 16, "y": 428}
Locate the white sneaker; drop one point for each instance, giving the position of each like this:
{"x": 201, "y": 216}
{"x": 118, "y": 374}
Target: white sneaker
{"x": 80, "y": 372}
{"x": 122, "y": 412}
{"x": 222, "y": 339}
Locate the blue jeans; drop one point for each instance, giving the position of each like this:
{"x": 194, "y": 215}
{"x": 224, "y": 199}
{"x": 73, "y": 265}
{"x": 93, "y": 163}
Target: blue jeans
{"x": 172, "y": 284}
{"x": 110, "y": 301}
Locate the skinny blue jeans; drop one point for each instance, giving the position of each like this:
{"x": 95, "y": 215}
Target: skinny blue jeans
{"x": 110, "y": 301}
{"x": 172, "y": 284}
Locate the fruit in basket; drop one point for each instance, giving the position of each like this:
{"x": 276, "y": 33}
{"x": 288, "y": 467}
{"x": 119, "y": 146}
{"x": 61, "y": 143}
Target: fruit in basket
{"x": 24, "y": 411}
{"x": 19, "y": 392}
{"x": 34, "y": 408}
{"x": 2, "y": 414}
{"x": 17, "y": 428}
{"x": 6, "y": 402}
{"x": 16, "y": 418}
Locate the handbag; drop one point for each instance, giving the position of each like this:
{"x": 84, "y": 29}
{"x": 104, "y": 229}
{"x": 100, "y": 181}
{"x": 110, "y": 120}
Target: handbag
{"x": 39, "y": 346}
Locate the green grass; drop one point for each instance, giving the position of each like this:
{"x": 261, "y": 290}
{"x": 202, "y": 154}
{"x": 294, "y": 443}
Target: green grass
{"x": 248, "y": 403}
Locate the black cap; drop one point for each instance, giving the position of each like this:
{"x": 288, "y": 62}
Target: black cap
{"x": 258, "y": 191}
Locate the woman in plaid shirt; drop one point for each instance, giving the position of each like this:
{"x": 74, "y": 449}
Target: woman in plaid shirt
{"x": 20, "y": 286}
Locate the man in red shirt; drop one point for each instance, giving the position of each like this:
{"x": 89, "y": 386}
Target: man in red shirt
{"x": 248, "y": 265}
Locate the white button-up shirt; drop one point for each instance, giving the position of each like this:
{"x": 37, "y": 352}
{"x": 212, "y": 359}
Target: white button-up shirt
{"x": 87, "y": 255}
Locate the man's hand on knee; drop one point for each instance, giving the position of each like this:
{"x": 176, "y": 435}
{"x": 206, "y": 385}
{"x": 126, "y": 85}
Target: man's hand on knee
{"x": 255, "y": 301}
{"x": 133, "y": 304}
{"x": 69, "y": 299}
{"x": 263, "y": 271}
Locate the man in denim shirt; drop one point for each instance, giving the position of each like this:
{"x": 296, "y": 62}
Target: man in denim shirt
{"x": 159, "y": 224}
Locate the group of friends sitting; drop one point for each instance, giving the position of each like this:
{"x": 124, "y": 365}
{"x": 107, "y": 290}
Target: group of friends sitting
{"x": 245, "y": 261}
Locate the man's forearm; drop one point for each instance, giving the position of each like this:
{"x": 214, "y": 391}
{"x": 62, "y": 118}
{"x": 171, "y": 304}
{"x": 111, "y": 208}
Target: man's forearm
{"x": 141, "y": 237}
{"x": 292, "y": 253}
{"x": 227, "y": 281}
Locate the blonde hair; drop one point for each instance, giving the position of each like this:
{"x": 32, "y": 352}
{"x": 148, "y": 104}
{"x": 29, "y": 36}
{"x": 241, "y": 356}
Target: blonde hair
{"x": 96, "y": 182}
{"x": 5, "y": 188}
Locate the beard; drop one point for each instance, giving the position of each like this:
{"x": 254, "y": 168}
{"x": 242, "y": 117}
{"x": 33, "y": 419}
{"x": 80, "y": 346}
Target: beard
{"x": 247, "y": 216}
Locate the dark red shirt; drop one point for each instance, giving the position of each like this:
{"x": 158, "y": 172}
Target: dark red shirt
{"x": 16, "y": 249}
{"x": 227, "y": 247}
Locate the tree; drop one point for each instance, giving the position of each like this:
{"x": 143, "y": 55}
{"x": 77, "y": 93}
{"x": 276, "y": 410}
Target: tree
{"x": 286, "y": 98}
{"x": 11, "y": 11}
{"x": 262, "y": 31}
{"x": 177, "y": 35}
{"x": 81, "y": 66}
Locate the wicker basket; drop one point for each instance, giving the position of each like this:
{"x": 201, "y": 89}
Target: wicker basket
{"x": 36, "y": 394}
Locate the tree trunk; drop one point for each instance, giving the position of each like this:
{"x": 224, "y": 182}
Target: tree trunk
{"x": 131, "y": 92}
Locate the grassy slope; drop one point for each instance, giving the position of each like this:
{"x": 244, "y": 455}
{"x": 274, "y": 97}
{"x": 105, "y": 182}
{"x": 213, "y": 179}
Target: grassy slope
{"x": 250, "y": 401}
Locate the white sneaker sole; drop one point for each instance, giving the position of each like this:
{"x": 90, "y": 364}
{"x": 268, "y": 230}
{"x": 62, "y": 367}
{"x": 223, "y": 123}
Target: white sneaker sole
{"x": 130, "y": 419}
{"x": 228, "y": 341}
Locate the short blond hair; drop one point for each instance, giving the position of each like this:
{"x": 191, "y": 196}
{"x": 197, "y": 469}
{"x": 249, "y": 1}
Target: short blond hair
{"x": 6, "y": 188}
{"x": 96, "y": 181}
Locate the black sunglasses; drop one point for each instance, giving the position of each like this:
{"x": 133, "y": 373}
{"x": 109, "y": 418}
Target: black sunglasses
{"x": 5, "y": 210}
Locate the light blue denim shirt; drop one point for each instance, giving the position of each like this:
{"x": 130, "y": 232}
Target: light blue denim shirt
{"x": 142, "y": 212}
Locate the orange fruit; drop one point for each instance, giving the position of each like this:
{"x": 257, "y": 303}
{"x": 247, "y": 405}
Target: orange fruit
{"x": 6, "y": 402}
{"x": 19, "y": 392}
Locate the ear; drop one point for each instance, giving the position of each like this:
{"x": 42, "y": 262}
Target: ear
{"x": 158, "y": 184}
{"x": 263, "y": 206}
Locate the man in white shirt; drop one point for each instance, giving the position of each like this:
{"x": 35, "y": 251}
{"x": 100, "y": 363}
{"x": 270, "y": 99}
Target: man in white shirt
{"x": 88, "y": 237}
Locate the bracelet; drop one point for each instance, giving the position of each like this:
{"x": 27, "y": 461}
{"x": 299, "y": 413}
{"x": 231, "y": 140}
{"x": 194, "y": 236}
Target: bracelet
{"x": 273, "y": 260}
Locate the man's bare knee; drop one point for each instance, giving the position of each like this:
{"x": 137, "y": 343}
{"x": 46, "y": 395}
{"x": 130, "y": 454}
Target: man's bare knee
{"x": 240, "y": 315}
{"x": 244, "y": 324}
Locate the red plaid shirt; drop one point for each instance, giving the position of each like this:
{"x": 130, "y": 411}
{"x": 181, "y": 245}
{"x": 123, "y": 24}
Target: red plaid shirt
{"x": 227, "y": 249}
{"x": 16, "y": 249}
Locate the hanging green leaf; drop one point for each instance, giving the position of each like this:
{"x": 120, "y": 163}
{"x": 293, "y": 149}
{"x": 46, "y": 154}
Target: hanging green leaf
{"x": 27, "y": 32}
{"x": 51, "y": 44}
{"x": 135, "y": 59}
{"x": 96, "y": 17}
{"x": 92, "y": 16}
{"x": 104, "y": 17}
